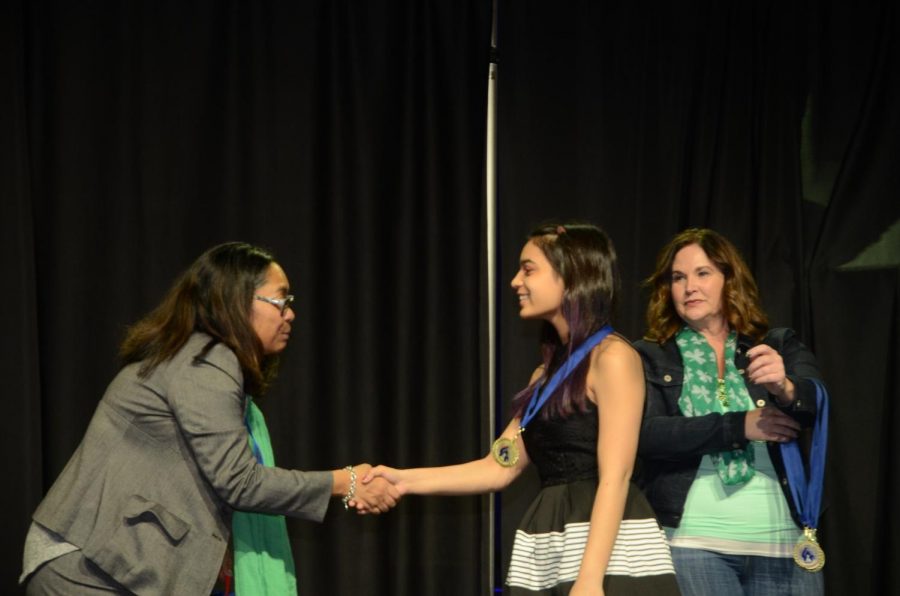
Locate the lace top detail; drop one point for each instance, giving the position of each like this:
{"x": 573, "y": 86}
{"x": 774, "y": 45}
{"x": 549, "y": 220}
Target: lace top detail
{"x": 563, "y": 449}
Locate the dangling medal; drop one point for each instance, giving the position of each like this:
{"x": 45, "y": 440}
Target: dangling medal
{"x": 808, "y": 553}
{"x": 504, "y": 450}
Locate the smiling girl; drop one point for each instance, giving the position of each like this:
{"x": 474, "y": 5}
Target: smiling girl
{"x": 589, "y": 531}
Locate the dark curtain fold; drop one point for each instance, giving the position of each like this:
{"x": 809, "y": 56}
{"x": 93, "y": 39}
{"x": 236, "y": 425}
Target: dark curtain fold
{"x": 851, "y": 174}
{"x": 776, "y": 124}
{"x": 21, "y": 444}
{"x": 348, "y": 138}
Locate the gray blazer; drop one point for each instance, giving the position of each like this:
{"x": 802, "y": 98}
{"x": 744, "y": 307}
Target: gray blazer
{"x": 148, "y": 495}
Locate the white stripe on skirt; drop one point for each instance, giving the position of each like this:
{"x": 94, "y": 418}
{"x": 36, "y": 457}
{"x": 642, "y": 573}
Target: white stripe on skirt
{"x": 541, "y": 561}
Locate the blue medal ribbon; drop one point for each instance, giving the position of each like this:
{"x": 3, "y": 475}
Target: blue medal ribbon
{"x": 543, "y": 392}
{"x": 808, "y": 494}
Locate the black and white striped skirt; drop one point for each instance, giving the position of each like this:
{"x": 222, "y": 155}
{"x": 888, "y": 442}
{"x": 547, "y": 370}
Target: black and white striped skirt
{"x": 551, "y": 539}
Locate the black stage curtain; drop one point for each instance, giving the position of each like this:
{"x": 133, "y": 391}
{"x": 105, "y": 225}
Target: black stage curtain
{"x": 775, "y": 123}
{"x": 347, "y": 137}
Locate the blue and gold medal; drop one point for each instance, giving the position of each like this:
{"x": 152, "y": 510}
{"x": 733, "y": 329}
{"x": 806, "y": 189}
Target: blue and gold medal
{"x": 807, "y": 552}
{"x": 505, "y": 451}
{"x": 807, "y": 492}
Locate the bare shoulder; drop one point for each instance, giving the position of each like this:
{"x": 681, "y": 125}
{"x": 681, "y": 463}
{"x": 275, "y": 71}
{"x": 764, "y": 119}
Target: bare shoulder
{"x": 538, "y": 372}
{"x": 615, "y": 353}
{"x": 615, "y": 368}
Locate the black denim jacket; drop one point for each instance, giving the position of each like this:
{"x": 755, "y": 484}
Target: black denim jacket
{"x": 672, "y": 445}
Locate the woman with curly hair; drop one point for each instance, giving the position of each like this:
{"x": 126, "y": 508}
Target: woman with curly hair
{"x": 726, "y": 396}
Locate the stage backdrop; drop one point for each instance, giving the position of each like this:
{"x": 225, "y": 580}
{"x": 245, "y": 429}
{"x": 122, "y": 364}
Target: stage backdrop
{"x": 776, "y": 124}
{"x": 348, "y": 137}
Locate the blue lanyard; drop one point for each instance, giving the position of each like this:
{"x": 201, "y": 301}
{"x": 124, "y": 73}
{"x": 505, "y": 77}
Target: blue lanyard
{"x": 543, "y": 392}
{"x": 254, "y": 446}
{"x": 808, "y": 495}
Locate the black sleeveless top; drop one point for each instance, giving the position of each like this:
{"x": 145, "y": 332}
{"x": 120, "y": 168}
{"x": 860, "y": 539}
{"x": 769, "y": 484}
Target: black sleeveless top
{"x": 563, "y": 449}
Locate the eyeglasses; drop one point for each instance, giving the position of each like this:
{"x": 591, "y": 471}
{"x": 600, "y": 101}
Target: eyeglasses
{"x": 282, "y": 303}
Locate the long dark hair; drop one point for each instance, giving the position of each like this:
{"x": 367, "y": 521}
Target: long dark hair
{"x": 584, "y": 257}
{"x": 215, "y": 296}
{"x": 740, "y": 296}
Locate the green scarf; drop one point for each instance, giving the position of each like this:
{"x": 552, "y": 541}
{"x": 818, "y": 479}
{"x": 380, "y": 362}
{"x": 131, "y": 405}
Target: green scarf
{"x": 263, "y": 563}
{"x": 704, "y": 393}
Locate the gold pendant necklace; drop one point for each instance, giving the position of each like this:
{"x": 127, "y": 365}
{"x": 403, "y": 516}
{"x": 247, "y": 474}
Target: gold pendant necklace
{"x": 721, "y": 394}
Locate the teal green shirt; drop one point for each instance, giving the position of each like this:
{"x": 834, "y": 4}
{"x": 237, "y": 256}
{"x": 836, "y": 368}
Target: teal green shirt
{"x": 753, "y": 512}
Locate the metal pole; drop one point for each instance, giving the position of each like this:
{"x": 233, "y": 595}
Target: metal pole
{"x": 491, "y": 237}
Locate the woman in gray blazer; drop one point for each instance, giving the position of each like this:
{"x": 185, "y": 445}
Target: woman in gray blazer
{"x": 176, "y": 452}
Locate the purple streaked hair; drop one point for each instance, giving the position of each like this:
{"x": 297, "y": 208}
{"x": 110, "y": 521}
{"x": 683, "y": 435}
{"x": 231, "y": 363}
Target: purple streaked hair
{"x": 584, "y": 257}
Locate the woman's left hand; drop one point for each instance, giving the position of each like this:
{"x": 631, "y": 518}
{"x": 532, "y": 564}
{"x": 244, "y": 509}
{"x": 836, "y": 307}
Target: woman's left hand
{"x": 767, "y": 369}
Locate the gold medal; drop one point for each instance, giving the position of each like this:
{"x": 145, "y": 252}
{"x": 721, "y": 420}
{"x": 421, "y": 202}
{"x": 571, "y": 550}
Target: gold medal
{"x": 505, "y": 451}
{"x": 807, "y": 552}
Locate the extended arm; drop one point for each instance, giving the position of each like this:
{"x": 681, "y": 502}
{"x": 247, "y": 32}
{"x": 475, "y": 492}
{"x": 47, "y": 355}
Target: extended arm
{"x": 206, "y": 398}
{"x": 475, "y": 477}
{"x": 207, "y": 403}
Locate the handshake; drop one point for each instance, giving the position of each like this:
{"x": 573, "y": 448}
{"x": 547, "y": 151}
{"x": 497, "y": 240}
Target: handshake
{"x": 371, "y": 490}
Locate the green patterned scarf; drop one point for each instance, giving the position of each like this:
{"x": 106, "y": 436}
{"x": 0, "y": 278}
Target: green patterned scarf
{"x": 704, "y": 393}
{"x": 263, "y": 563}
